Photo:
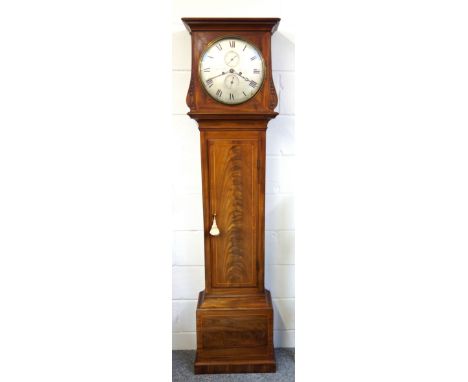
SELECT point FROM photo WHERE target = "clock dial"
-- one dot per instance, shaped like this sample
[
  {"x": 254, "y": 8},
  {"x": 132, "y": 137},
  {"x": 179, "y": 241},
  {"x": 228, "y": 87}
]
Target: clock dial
[{"x": 231, "y": 70}]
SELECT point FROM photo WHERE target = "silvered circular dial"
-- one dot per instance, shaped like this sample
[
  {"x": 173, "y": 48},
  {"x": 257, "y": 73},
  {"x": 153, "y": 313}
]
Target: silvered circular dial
[{"x": 231, "y": 70}]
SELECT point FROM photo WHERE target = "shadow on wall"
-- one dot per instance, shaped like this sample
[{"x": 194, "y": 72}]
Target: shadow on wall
[
  {"x": 282, "y": 52},
  {"x": 279, "y": 207},
  {"x": 181, "y": 50}
]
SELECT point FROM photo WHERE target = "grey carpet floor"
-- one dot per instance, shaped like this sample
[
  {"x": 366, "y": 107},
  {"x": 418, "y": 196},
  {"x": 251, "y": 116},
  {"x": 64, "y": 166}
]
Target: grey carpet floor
[{"x": 182, "y": 369}]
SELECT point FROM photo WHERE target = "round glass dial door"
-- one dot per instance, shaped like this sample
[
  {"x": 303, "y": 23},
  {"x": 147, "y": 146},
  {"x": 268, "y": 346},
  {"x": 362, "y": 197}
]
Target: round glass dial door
[{"x": 231, "y": 70}]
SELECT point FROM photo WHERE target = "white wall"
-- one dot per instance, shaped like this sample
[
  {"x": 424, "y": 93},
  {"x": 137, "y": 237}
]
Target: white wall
[{"x": 187, "y": 265}]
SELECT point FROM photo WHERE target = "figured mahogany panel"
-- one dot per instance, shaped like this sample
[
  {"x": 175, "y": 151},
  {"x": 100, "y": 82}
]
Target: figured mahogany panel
[
  {"x": 233, "y": 335},
  {"x": 234, "y": 332},
  {"x": 233, "y": 188}
]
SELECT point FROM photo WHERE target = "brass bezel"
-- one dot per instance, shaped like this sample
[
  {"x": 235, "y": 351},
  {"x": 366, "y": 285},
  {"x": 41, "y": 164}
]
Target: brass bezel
[{"x": 224, "y": 37}]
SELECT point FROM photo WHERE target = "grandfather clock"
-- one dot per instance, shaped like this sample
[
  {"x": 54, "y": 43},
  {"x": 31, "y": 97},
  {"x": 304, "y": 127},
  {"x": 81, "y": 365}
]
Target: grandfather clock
[{"x": 232, "y": 97}]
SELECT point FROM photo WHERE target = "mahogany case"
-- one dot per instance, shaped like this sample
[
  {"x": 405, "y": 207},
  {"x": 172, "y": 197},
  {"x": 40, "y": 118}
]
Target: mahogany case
[{"x": 234, "y": 312}]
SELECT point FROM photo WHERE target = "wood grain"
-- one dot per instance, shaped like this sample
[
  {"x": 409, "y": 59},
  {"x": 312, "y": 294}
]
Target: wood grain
[
  {"x": 234, "y": 332},
  {"x": 231, "y": 332},
  {"x": 234, "y": 312},
  {"x": 232, "y": 169}
]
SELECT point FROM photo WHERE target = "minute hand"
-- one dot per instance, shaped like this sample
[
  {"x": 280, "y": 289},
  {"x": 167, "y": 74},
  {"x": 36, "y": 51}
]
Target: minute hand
[{"x": 222, "y": 74}]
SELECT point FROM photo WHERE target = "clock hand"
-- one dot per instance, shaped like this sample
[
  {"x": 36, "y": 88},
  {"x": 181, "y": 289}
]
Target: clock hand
[
  {"x": 222, "y": 74},
  {"x": 240, "y": 75},
  {"x": 232, "y": 58}
]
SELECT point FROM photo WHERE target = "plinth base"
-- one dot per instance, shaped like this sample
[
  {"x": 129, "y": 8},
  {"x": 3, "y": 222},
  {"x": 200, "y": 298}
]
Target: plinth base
[
  {"x": 235, "y": 334},
  {"x": 235, "y": 367}
]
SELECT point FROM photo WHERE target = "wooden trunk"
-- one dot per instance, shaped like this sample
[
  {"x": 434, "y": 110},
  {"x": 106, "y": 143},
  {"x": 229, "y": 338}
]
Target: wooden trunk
[{"x": 234, "y": 313}]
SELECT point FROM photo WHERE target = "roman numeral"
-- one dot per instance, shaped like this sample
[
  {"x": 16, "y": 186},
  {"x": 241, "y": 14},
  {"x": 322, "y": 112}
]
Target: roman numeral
[
  {"x": 256, "y": 71},
  {"x": 253, "y": 84},
  {"x": 232, "y": 44},
  {"x": 231, "y": 96},
  {"x": 245, "y": 46},
  {"x": 244, "y": 94},
  {"x": 219, "y": 47},
  {"x": 209, "y": 82},
  {"x": 209, "y": 56},
  {"x": 253, "y": 58},
  {"x": 219, "y": 93},
  {"x": 206, "y": 70}
]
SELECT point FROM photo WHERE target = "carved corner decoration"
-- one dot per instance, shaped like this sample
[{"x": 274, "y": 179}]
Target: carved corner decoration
[
  {"x": 190, "y": 99},
  {"x": 273, "y": 95},
  {"x": 234, "y": 314}
]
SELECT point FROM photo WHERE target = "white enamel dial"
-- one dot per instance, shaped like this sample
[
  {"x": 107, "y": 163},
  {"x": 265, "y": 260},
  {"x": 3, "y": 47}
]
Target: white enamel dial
[{"x": 231, "y": 70}]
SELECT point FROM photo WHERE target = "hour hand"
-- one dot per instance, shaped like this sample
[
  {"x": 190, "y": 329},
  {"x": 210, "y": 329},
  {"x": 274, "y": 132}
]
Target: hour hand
[{"x": 240, "y": 75}]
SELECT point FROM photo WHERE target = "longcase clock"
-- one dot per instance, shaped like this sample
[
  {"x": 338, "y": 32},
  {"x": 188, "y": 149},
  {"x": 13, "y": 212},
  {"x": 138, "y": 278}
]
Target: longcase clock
[{"x": 232, "y": 97}]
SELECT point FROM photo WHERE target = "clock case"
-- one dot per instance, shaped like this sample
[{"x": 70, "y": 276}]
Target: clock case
[{"x": 234, "y": 317}]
